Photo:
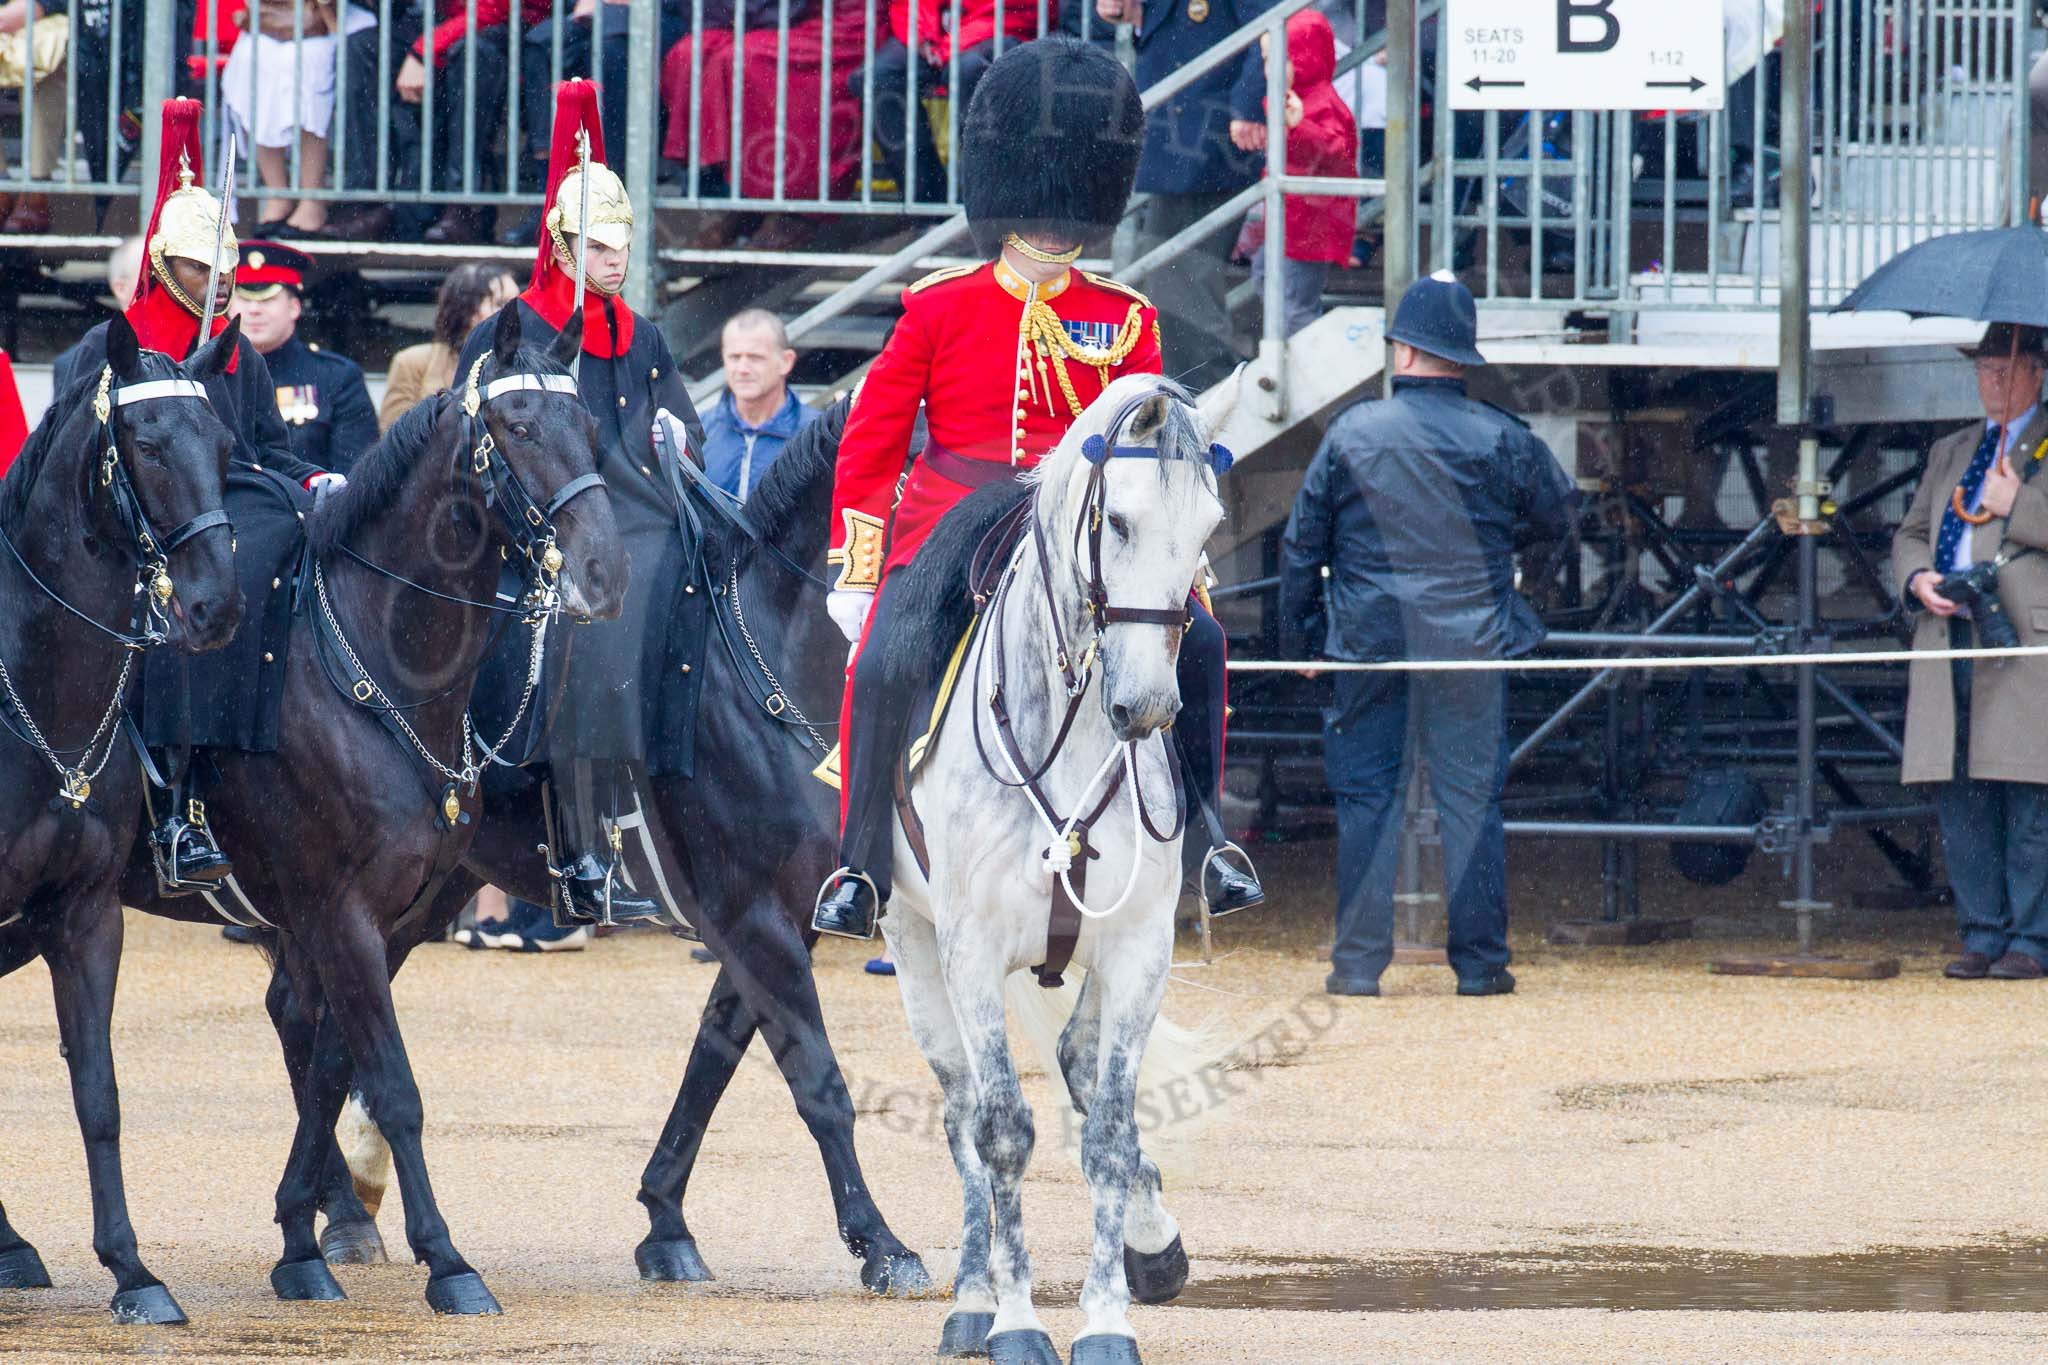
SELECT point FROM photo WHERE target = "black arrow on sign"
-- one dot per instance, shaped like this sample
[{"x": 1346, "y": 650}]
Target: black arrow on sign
[
  {"x": 1477, "y": 84},
  {"x": 1695, "y": 83}
]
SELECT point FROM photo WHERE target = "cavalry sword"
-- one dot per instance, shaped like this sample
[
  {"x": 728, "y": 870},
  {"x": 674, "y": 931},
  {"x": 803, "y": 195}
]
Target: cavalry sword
[
  {"x": 582, "y": 228},
  {"x": 220, "y": 238}
]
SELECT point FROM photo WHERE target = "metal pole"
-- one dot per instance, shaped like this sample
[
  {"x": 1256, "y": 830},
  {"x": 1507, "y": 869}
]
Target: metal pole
[
  {"x": 1397, "y": 240},
  {"x": 1795, "y": 246},
  {"x": 1272, "y": 381},
  {"x": 642, "y": 52},
  {"x": 158, "y": 35}
]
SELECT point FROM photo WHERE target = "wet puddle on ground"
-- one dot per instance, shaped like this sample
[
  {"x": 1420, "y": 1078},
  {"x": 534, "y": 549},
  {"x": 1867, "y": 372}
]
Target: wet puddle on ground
[{"x": 1974, "y": 1279}]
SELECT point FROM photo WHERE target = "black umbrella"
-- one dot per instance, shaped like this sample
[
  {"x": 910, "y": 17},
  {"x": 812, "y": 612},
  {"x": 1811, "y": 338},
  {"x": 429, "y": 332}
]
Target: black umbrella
[{"x": 1996, "y": 275}]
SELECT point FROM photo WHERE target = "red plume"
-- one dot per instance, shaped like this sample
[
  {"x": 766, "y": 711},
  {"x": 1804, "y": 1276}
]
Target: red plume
[
  {"x": 575, "y": 108},
  {"x": 180, "y": 148}
]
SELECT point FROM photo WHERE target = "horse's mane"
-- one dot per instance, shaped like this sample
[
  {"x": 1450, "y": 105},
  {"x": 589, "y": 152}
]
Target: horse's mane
[
  {"x": 21, "y": 478},
  {"x": 782, "y": 498},
  {"x": 379, "y": 473}
]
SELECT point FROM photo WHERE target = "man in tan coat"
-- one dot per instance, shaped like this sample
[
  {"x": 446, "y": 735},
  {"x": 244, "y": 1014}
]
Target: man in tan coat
[{"x": 1982, "y": 731}]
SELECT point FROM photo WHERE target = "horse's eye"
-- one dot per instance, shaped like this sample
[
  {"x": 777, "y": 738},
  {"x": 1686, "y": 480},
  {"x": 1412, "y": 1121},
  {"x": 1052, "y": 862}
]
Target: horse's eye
[
  {"x": 150, "y": 451},
  {"x": 1119, "y": 525},
  {"x": 523, "y": 430}
]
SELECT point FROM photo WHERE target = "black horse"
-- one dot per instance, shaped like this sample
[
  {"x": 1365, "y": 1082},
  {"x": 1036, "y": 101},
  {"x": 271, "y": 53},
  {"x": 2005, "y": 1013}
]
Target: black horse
[
  {"x": 344, "y": 832},
  {"x": 750, "y": 835},
  {"x": 111, "y": 537}
]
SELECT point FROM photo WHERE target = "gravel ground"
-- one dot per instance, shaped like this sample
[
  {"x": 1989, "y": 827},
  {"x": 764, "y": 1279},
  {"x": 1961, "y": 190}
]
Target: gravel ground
[{"x": 1790, "y": 1171}]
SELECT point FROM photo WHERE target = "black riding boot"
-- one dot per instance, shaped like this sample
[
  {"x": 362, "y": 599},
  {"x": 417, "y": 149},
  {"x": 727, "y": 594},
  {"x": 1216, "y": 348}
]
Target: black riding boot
[
  {"x": 853, "y": 897},
  {"x": 1226, "y": 885},
  {"x": 187, "y": 858},
  {"x": 594, "y": 886}
]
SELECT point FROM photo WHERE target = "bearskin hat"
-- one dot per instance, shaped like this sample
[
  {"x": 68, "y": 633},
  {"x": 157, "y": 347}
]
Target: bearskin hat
[{"x": 1050, "y": 144}]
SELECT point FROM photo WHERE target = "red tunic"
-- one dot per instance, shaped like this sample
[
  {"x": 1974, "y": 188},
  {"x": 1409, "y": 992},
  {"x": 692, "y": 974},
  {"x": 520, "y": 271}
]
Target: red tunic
[
  {"x": 13, "y": 426},
  {"x": 989, "y": 395}
]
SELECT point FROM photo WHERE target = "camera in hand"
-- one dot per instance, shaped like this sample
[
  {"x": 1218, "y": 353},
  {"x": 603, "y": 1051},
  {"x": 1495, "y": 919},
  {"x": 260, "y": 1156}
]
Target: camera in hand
[{"x": 1976, "y": 589}]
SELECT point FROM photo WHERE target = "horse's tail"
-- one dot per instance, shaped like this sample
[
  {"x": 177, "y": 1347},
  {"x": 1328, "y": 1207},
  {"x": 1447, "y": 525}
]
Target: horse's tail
[
  {"x": 367, "y": 1154},
  {"x": 1176, "y": 1079}
]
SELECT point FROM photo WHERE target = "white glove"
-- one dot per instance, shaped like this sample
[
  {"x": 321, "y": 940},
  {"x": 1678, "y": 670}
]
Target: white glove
[
  {"x": 323, "y": 485},
  {"x": 848, "y": 608}
]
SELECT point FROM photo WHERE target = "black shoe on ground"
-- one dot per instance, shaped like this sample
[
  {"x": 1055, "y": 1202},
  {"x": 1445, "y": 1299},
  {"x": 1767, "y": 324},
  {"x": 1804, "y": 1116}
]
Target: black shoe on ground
[
  {"x": 598, "y": 894},
  {"x": 1501, "y": 982},
  {"x": 240, "y": 933},
  {"x": 1334, "y": 984},
  {"x": 1228, "y": 887},
  {"x": 847, "y": 908},
  {"x": 1968, "y": 967}
]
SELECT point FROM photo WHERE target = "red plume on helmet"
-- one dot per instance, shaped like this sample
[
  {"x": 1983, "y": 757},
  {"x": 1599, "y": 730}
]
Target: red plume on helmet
[
  {"x": 163, "y": 322},
  {"x": 180, "y": 149},
  {"x": 607, "y": 322}
]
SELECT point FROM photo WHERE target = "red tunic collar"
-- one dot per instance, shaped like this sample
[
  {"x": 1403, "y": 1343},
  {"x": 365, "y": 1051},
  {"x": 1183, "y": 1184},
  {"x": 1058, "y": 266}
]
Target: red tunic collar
[
  {"x": 555, "y": 297},
  {"x": 161, "y": 323}
]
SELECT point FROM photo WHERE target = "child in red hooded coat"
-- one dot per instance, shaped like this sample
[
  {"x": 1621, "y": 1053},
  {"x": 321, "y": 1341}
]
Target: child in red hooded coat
[{"x": 1322, "y": 139}]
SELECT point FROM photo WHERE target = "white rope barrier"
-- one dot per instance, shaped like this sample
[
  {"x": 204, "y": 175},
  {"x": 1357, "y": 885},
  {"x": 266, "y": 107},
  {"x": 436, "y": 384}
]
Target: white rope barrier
[{"x": 1634, "y": 661}]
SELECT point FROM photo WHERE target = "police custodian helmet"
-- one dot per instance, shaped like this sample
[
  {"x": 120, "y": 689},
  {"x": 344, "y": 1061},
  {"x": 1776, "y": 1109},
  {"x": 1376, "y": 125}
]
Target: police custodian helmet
[{"x": 1438, "y": 315}]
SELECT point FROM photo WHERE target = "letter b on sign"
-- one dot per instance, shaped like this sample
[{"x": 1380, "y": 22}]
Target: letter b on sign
[{"x": 1575, "y": 17}]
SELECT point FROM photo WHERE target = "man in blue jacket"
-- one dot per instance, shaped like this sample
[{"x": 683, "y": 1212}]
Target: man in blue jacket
[
  {"x": 1416, "y": 507},
  {"x": 757, "y": 414},
  {"x": 1191, "y": 166}
]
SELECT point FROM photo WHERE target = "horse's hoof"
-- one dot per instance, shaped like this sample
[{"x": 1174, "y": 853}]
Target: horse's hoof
[
  {"x": 306, "y": 1282},
  {"x": 462, "y": 1295},
  {"x": 1104, "y": 1348},
  {"x": 22, "y": 1268},
  {"x": 1021, "y": 1348},
  {"x": 671, "y": 1262},
  {"x": 149, "y": 1306},
  {"x": 966, "y": 1334},
  {"x": 1157, "y": 1276},
  {"x": 896, "y": 1274},
  {"x": 356, "y": 1243}
]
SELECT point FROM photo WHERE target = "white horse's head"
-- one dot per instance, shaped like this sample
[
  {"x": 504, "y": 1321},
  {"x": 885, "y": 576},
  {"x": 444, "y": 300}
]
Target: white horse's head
[{"x": 1127, "y": 501}]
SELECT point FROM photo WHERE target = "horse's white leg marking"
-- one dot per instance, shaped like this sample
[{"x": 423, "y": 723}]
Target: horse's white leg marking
[
  {"x": 1002, "y": 1132},
  {"x": 914, "y": 945},
  {"x": 1129, "y": 980},
  {"x": 1148, "y": 1227}
]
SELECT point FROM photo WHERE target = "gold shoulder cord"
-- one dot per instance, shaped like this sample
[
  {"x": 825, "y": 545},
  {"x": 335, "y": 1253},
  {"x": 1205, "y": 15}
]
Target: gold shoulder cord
[{"x": 1048, "y": 339}]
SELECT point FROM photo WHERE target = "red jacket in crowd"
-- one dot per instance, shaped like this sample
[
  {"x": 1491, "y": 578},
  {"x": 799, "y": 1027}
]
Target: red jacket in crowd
[
  {"x": 977, "y": 23},
  {"x": 1319, "y": 226},
  {"x": 454, "y": 25},
  {"x": 13, "y": 426}
]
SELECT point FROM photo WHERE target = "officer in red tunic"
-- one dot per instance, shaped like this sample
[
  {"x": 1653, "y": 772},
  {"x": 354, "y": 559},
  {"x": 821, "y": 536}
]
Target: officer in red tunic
[{"x": 1002, "y": 357}]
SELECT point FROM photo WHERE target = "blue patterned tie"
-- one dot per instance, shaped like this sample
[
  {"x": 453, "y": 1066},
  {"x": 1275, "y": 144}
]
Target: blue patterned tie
[{"x": 1952, "y": 526}]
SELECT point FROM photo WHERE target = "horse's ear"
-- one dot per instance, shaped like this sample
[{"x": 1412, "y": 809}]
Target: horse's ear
[
  {"x": 505, "y": 336},
  {"x": 1150, "y": 417},
  {"x": 213, "y": 357},
  {"x": 1219, "y": 404},
  {"x": 568, "y": 341},
  {"x": 124, "y": 352}
]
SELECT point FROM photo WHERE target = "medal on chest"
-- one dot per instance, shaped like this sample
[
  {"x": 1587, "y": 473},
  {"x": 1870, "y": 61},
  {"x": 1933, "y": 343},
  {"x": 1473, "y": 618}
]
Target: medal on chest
[{"x": 298, "y": 404}]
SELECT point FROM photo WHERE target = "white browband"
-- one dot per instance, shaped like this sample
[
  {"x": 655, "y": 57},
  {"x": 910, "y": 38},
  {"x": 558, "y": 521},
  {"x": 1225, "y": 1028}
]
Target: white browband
[
  {"x": 159, "y": 388},
  {"x": 545, "y": 383}
]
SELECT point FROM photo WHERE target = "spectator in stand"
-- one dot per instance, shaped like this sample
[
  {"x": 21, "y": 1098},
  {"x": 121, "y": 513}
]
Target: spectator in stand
[
  {"x": 757, "y": 414},
  {"x": 124, "y": 270},
  {"x": 537, "y": 83},
  {"x": 450, "y": 42},
  {"x": 1322, "y": 139},
  {"x": 279, "y": 88},
  {"x": 27, "y": 27},
  {"x": 469, "y": 296},
  {"x": 927, "y": 25},
  {"x": 321, "y": 395},
  {"x": 1190, "y": 168},
  {"x": 791, "y": 165}
]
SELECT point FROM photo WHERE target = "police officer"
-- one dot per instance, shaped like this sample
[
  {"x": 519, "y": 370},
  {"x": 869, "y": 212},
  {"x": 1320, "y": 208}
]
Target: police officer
[
  {"x": 321, "y": 396},
  {"x": 1000, "y": 358},
  {"x": 1416, "y": 507}
]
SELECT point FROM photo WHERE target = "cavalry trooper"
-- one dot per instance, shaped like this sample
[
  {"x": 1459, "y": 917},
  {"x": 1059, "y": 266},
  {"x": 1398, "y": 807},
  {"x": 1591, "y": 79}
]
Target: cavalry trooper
[
  {"x": 320, "y": 395},
  {"x": 601, "y": 741},
  {"x": 1002, "y": 357},
  {"x": 187, "y": 250}
]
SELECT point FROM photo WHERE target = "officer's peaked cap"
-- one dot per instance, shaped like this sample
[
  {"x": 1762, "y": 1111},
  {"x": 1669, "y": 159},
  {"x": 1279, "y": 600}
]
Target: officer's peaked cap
[
  {"x": 1437, "y": 315},
  {"x": 1050, "y": 144}
]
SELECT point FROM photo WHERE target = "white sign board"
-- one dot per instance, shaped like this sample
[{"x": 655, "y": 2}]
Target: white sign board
[{"x": 1584, "y": 54}]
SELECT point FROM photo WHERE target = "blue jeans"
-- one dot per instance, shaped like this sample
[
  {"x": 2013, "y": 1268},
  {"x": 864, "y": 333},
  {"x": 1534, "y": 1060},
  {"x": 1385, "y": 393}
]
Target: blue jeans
[{"x": 1461, "y": 719}]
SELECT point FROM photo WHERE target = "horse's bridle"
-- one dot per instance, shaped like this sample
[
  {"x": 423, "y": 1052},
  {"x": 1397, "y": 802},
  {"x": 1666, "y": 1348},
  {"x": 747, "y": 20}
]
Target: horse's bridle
[
  {"x": 154, "y": 587},
  {"x": 529, "y": 521}
]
